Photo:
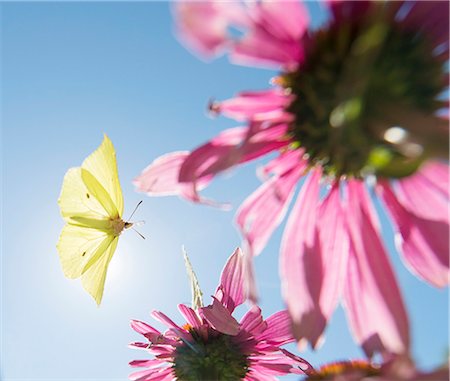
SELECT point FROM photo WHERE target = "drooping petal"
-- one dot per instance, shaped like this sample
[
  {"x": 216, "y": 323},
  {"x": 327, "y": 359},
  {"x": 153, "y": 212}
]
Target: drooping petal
[
  {"x": 232, "y": 281},
  {"x": 190, "y": 315},
  {"x": 161, "y": 176},
  {"x": 285, "y": 20},
  {"x": 145, "y": 363},
  {"x": 334, "y": 247},
  {"x": 203, "y": 25},
  {"x": 372, "y": 298},
  {"x": 437, "y": 174},
  {"x": 253, "y": 322},
  {"x": 143, "y": 328},
  {"x": 300, "y": 264},
  {"x": 423, "y": 243},
  {"x": 421, "y": 196},
  {"x": 255, "y": 105},
  {"x": 231, "y": 147},
  {"x": 220, "y": 318},
  {"x": 260, "y": 48},
  {"x": 273, "y": 37},
  {"x": 263, "y": 210},
  {"x": 160, "y": 374},
  {"x": 278, "y": 331}
]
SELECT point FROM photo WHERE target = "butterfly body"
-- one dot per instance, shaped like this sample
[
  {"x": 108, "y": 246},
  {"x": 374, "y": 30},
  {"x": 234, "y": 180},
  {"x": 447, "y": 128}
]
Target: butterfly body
[{"x": 91, "y": 203}]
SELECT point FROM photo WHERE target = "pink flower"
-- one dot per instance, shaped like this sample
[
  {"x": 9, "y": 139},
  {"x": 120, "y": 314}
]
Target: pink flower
[
  {"x": 397, "y": 368},
  {"x": 357, "y": 103},
  {"x": 213, "y": 345}
]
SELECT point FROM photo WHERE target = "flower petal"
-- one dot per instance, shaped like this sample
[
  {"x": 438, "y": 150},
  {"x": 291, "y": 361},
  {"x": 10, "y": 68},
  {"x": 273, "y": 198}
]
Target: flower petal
[
  {"x": 373, "y": 301},
  {"x": 160, "y": 374},
  {"x": 334, "y": 246},
  {"x": 143, "y": 328},
  {"x": 300, "y": 264},
  {"x": 423, "y": 243},
  {"x": 232, "y": 282},
  {"x": 161, "y": 176},
  {"x": 437, "y": 174},
  {"x": 273, "y": 37},
  {"x": 253, "y": 322},
  {"x": 421, "y": 196},
  {"x": 263, "y": 211},
  {"x": 278, "y": 331},
  {"x": 256, "y": 105},
  {"x": 190, "y": 315},
  {"x": 220, "y": 318},
  {"x": 203, "y": 25},
  {"x": 231, "y": 147}
]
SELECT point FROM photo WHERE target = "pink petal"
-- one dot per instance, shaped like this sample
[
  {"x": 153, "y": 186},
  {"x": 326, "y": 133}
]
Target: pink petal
[
  {"x": 175, "y": 329},
  {"x": 161, "y": 374},
  {"x": 300, "y": 264},
  {"x": 259, "y": 48},
  {"x": 286, "y": 20},
  {"x": 274, "y": 37},
  {"x": 231, "y": 147},
  {"x": 278, "y": 331},
  {"x": 437, "y": 174},
  {"x": 282, "y": 163},
  {"x": 161, "y": 177},
  {"x": 203, "y": 26},
  {"x": 232, "y": 281},
  {"x": 249, "y": 278},
  {"x": 423, "y": 243},
  {"x": 373, "y": 301},
  {"x": 334, "y": 246},
  {"x": 254, "y": 105},
  {"x": 190, "y": 315},
  {"x": 220, "y": 318},
  {"x": 163, "y": 318},
  {"x": 253, "y": 322},
  {"x": 143, "y": 328},
  {"x": 263, "y": 211},
  {"x": 146, "y": 363},
  {"x": 421, "y": 196}
]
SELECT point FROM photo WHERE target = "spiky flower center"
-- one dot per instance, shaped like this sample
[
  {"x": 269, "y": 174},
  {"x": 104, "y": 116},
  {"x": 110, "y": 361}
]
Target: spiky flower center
[
  {"x": 356, "y": 367},
  {"x": 217, "y": 358},
  {"x": 365, "y": 93}
]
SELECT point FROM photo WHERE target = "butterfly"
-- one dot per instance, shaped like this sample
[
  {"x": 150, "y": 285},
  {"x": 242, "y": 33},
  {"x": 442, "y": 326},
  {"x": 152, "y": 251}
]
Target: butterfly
[{"x": 91, "y": 203}]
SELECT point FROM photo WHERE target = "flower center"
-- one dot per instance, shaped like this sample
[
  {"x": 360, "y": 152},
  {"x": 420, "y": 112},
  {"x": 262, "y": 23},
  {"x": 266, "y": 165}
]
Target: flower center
[
  {"x": 347, "y": 368},
  {"x": 365, "y": 93},
  {"x": 214, "y": 359}
]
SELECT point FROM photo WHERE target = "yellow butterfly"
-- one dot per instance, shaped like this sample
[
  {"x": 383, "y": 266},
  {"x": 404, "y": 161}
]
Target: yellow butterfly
[{"x": 91, "y": 203}]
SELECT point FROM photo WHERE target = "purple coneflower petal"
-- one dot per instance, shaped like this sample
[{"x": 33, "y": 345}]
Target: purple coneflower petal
[
  {"x": 232, "y": 280},
  {"x": 373, "y": 302},
  {"x": 300, "y": 263},
  {"x": 334, "y": 246},
  {"x": 254, "y": 105},
  {"x": 220, "y": 318},
  {"x": 261, "y": 213},
  {"x": 420, "y": 240}
]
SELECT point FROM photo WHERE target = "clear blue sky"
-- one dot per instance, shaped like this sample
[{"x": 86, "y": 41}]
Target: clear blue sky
[{"x": 71, "y": 72}]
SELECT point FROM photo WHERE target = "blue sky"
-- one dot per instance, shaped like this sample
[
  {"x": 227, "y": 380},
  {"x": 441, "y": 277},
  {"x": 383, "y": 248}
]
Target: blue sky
[{"x": 71, "y": 72}]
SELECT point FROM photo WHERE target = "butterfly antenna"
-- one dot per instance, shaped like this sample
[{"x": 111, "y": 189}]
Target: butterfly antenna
[
  {"x": 134, "y": 211},
  {"x": 138, "y": 233}
]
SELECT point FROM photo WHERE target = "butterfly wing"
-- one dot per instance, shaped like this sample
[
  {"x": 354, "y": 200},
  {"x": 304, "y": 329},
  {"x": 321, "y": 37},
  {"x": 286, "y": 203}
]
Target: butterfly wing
[
  {"x": 103, "y": 167},
  {"x": 93, "y": 279},
  {"x": 90, "y": 199}
]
